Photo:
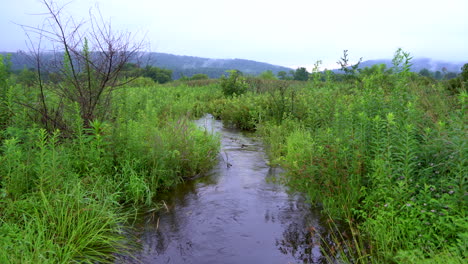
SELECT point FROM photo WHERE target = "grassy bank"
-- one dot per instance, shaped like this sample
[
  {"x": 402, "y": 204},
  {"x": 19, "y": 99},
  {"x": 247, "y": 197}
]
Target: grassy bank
[
  {"x": 384, "y": 153},
  {"x": 64, "y": 197}
]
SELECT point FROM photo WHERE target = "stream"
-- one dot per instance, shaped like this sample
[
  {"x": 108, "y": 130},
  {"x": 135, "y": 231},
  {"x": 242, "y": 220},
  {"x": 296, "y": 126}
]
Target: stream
[{"x": 233, "y": 214}]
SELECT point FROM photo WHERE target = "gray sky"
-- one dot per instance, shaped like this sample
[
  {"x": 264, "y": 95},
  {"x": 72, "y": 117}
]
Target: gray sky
[{"x": 289, "y": 32}]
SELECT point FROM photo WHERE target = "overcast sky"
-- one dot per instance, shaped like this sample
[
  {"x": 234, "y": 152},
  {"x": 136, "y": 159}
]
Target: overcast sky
[{"x": 289, "y": 32}]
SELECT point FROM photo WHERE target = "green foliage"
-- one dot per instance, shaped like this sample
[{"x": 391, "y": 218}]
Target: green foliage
[
  {"x": 349, "y": 70},
  {"x": 157, "y": 75},
  {"x": 282, "y": 75},
  {"x": 27, "y": 77},
  {"x": 464, "y": 73},
  {"x": 388, "y": 161},
  {"x": 402, "y": 62},
  {"x": 61, "y": 198},
  {"x": 5, "y": 65},
  {"x": 156, "y": 146},
  {"x": 387, "y": 154},
  {"x": 329, "y": 76},
  {"x": 61, "y": 228},
  {"x": 243, "y": 111},
  {"x": 316, "y": 75},
  {"x": 267, "y": 75},
  {"x": 458, "y": 83},
  {"x": 142, "y": 82},
  {"x": 425, "y": 72},
  {"x": 370, "y": 163},
  {"x": 301, "y": 74},
  {"x": 195, "y": 77},
  {"x": 269, "y": 100},
  {"x": 377, "y": 77},
  {"x": 5, "y": 93},
  {"x": 235, "y": 84},
  {"x": 199, "y": 76},
  {"x": 47, "y": 214}
]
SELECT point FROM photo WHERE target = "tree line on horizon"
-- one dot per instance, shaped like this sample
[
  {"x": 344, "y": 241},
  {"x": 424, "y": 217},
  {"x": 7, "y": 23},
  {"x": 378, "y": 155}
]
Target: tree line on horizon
[{"x": 164, "y": 71}]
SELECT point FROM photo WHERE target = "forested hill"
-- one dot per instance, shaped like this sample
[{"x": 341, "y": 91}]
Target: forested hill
[
  {"x": 214, "y": 68},
  {"x": 181, "y": 65}
]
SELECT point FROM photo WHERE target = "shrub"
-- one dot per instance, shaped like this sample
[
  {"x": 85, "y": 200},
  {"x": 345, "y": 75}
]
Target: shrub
[
  {"x": 235, "y": 84},
  {"x": 199, "y": 76},
  {"x": 460, "y": 83}
]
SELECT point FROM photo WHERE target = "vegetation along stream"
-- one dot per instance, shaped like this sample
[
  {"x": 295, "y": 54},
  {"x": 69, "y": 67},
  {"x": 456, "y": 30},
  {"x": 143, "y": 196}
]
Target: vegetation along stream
[
  {"x": 234, "y": 214},
  {"x": 92, "y": 133}
]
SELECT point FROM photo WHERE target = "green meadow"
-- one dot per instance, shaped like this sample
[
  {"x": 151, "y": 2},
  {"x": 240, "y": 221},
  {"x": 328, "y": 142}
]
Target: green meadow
[{"x": 381, "y": 151}]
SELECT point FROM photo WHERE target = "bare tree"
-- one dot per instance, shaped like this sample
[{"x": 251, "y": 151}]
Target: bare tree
[{"x": 87, "y": 59}]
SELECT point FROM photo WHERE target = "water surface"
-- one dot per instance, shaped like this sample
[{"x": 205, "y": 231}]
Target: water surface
[{"x": 234, "y": 214}]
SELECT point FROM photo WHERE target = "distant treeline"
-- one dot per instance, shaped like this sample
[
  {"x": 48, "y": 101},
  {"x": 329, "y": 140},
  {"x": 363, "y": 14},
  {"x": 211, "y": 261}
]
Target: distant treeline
[
  {"x": 180, "y": 66},
  {"x": 162, "y": 68}
]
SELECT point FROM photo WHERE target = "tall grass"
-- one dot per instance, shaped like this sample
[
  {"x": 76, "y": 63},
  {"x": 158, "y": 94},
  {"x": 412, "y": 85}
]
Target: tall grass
[
  {"x": 62, "y": 196},
  {"x": 63, "y": 227},
  {"x": 386, "y": 154}
]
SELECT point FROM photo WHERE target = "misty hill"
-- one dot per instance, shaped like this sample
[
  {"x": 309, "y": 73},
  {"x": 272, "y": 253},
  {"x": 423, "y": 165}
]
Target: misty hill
[
  {"x": 180, "y": 65},
  {"x": 214, "y": 68},
  {"x": 419, "y": 64}
]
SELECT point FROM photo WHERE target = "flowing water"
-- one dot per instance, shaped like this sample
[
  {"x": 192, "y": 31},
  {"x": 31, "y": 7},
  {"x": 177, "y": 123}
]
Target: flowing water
[{"x": 233, "y": 214}]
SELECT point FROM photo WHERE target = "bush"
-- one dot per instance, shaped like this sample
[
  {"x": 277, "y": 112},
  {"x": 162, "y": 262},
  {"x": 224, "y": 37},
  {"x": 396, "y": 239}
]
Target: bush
[
  {"x": 235, "y": 84},
  {"x": 199, "y": 76},
  {"x": 456, "y": 85}
]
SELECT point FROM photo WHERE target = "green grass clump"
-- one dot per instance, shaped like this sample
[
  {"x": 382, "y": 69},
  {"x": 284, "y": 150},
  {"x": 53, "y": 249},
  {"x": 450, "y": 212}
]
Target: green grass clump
[{"x": 61, "y": 228}]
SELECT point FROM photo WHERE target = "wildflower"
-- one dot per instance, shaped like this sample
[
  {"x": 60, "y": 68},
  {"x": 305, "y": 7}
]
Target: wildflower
[
  {"x": 423, "y": 211},
  {"x": 451, "y": 192},
  {"x": 433, "y": 210},
  {"x": 437, "y": 172},
  {"x": 432, "y": 189},
  {"x": 408, "y": 204},
  {"x": 424, "y": 204},
  {"x": 432, "y": 164},
  {"x": 385, "y": 205}
]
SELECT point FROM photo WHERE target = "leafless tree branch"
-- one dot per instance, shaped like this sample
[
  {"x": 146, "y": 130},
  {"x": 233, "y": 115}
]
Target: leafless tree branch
[{"x": 87, "y": 62}]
